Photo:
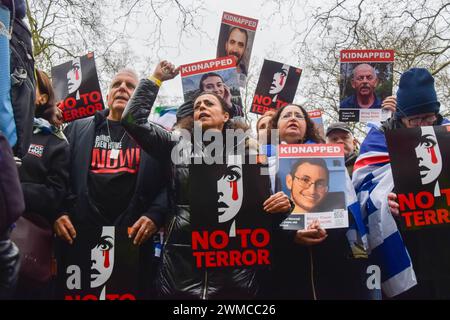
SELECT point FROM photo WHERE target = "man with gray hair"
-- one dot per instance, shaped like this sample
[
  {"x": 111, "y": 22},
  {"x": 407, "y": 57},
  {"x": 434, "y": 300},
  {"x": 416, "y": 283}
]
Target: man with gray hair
[
  {"x": 112, "y": 181},
  {"x": 364, "y": 82}
]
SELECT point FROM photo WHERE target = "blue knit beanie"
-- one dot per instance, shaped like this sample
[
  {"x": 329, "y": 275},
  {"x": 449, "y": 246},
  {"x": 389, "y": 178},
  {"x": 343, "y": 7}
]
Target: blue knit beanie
[{"x": 416, "y": 93}]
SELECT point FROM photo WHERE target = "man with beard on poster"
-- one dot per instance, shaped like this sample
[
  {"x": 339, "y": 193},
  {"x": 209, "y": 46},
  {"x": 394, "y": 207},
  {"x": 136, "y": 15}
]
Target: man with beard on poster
[
  {"x": 109, "y": 178},
  {"x": 417, "y": 107},
  {"x": 235, "y": 45}
]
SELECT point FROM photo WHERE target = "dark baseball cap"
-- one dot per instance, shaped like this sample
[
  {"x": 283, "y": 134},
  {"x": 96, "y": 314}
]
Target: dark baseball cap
[{"x": 338, "y": 126}]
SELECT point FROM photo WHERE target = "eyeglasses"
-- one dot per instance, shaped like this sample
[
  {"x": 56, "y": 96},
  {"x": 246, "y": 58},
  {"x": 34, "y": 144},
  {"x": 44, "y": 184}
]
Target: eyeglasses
[
  {"x": 419, "y": 120},
  {"x": 296, "y": 115},
  {"x": 305, "y": 183}
]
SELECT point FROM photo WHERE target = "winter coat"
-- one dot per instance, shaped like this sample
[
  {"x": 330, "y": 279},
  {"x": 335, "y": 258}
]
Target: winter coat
[
  {"x": 44, "y": 173},
  {"x": 178, "y": 277},
  {"x": 149, "y": 199}
]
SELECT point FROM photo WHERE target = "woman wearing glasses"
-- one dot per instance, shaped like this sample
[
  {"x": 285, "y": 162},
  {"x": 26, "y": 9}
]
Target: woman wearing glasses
[{"x": 313, "y": 263}]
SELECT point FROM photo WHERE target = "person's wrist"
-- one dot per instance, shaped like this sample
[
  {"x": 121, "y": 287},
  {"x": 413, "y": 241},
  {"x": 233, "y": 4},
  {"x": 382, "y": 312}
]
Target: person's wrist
[{"x": 155, "y": 79}]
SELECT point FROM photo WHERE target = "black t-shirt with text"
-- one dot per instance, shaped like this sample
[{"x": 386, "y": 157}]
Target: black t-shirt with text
[{"x": 113, "y": 170}]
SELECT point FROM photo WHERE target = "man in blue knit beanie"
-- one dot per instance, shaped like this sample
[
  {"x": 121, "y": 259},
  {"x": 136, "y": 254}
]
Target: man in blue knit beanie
[
  {"x": 417, "y": 106},
  {"x": 417, "y": 102}
]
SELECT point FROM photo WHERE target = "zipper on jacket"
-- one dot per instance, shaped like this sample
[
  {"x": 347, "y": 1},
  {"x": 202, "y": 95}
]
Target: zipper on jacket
[
  {"x": 205, "y": 288},
  {"x": 170, "y": 230},
  {"x": 313, "y": 287}
]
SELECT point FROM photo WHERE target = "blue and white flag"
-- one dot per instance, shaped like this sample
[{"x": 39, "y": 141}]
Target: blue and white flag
[
  {"x": 7, "y": 123},
  {"x": 372, "y": 180}
]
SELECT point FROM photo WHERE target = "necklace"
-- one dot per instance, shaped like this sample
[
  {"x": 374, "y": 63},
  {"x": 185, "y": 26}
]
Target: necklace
[{"x": 114, "y": 154}]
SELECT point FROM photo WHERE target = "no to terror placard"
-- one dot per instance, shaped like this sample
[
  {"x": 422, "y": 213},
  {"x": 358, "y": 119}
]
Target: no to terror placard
[
  {"x": 276, "y": 87},
  {"x": 423, "y": 185},
  {"x": 77, "y": 89},
  {"x": 229, "y": 225}
]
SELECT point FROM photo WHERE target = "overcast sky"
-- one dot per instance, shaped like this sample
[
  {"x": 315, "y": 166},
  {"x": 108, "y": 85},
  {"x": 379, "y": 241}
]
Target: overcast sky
[{"x": 272, "y": 39}]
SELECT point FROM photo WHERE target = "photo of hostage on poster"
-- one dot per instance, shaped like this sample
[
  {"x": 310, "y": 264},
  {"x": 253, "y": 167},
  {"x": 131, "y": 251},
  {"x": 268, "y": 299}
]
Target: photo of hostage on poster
[
  {"x": 365, "y": 81},
  {"x": 218, "y": 76},
  {"x": 236, "y": 37},
  {"x": 229, "y": 225},
  {"x": 276, "y": 87},
  {"x": 313, "y": 175},
  {"x": 422, "y": 186},
  {"x": 101, "y": 264},
  {"x": 77, "y": 90}
]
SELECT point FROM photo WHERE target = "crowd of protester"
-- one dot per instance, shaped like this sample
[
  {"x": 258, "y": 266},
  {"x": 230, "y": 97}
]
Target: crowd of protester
[{"x": 63, "y": 181}]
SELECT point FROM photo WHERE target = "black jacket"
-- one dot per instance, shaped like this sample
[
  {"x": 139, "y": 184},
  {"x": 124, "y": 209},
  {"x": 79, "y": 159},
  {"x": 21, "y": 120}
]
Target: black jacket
[
  {"x": 149, "y": 199},
  {"x": 44, "y": 174},
  {"x": 178, "y": 277},
  {"x": 427, "y": 248}
]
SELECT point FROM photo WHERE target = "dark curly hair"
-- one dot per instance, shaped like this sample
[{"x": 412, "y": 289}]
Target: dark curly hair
[{"x": 311, "y": 131}]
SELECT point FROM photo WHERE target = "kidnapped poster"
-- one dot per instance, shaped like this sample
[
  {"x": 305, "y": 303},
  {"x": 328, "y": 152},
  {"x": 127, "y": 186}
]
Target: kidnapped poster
[
  {"x": 229, "y": 226},
  {"x": 423, "y": 185},
  {"x": 77, "y": 90}
]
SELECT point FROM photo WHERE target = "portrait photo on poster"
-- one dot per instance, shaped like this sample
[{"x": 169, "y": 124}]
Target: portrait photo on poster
[
  {"x": 423, "y": 186},
  {"x": 236, "y": 38},
  {"x": 365, "y": 85},
  {"x": 221, "y": 82},
  {"x": 316, "y": 185}
]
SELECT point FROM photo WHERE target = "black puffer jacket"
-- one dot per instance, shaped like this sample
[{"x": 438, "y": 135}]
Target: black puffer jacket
[{"x": 178, "y": 277}]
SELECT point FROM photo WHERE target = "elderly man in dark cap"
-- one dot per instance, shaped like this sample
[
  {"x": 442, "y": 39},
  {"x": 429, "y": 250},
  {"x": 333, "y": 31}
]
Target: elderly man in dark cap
[{"x": 339, "y": 132}]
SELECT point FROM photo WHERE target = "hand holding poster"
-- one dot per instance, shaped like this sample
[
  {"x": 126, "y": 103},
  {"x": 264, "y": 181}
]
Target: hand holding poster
[
  {"x": 313, "y": 175},
  {"x": 229, "y": 225},
  {"x": 218, "y": 76},
  {"x": 423, "y": 188},
  {"x": 101, "y": 264},
  {"x": 366, "y": 80},
  {"x": 77, "y": 90},
  {"x": 236, "y": 39},
  {"x": 276, "y": 87}
]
